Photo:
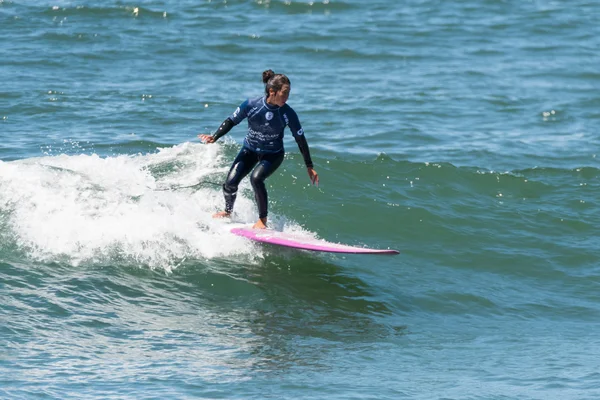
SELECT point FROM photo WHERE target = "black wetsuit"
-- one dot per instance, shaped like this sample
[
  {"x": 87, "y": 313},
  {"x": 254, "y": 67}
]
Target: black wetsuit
[{"x": 263, "y": 145}]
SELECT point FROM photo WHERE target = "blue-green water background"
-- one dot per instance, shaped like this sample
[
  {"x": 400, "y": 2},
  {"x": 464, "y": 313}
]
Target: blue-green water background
[{"x": 465, "y": 134}]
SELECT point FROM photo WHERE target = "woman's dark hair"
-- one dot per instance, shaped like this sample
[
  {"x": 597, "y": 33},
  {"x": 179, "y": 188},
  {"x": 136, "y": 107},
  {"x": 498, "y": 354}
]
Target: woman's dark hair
[{"x": 274, "y": 81}]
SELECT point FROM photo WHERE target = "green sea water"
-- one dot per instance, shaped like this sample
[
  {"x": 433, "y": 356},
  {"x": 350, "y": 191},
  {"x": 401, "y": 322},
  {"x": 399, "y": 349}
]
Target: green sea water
[{"x": 465, "y": 135}]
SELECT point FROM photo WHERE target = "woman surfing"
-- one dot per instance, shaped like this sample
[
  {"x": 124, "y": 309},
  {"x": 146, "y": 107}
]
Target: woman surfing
[{"x": 262, "y": 152}]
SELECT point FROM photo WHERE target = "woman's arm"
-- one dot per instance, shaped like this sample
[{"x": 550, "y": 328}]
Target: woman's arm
[
  {"x": 298, "y": 133},
  {"x": 222, "y": 131},
  {"x": 238, "y": 115},
  {"x": 305, "y": 151}
]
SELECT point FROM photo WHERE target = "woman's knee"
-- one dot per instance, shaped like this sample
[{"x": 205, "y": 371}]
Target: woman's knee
[
  {"x": 257, "y": 179},
  {"x": 230, "y": 188}
]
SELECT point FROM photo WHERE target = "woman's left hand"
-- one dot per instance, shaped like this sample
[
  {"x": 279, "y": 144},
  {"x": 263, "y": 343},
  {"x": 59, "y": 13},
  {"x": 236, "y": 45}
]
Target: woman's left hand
[{"x": 314, "y": 177}]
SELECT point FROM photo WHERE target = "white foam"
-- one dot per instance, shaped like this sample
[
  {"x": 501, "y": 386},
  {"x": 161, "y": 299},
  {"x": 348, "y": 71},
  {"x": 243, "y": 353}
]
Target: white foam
[{"x": 87, "y": 208}]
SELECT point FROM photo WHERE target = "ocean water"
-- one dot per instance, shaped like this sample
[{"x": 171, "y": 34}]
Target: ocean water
[{"x": 464, "y": 134}]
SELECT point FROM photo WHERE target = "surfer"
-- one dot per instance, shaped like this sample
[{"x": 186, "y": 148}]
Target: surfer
[{"x": 267, "y": 118}]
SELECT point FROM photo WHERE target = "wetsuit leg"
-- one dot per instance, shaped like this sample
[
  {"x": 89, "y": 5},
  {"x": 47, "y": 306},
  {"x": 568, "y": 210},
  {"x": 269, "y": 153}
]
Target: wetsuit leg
[
  {"x": 242, "y": 165},
  {"x": 266, "y": 166}
]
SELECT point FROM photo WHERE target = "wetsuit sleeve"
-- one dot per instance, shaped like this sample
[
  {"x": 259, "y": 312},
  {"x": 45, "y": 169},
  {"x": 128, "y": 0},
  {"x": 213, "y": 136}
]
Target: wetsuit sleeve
[
  {"x": 238, "y": 116},
  {"x": 298, "y": 133},
  {"x": 223, "y": 129},
  {"x": 240, "y": 113}
]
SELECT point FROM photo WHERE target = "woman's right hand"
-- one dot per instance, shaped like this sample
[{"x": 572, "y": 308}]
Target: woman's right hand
[{"x": 207, "y": 138}]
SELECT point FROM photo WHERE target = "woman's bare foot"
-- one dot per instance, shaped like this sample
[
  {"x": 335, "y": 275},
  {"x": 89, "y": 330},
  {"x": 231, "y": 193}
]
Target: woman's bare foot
[
  {"x": 260, "y": 224},
  {"x": 222, "y": 214}
]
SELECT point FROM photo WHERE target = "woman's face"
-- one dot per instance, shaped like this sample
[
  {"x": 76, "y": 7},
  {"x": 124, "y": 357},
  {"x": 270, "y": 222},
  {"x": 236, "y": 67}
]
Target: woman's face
[{"x": 279, "y": 98}]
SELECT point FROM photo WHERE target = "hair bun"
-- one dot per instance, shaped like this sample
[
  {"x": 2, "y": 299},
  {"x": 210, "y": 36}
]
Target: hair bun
[{"x": 268, "y": 74}]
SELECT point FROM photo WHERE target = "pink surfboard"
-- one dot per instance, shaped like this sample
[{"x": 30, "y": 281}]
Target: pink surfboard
[{"x": 303, "y": 242}]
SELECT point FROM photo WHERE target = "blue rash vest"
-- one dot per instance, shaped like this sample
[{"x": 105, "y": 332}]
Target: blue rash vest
[{"x": 266, "y": 124}]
